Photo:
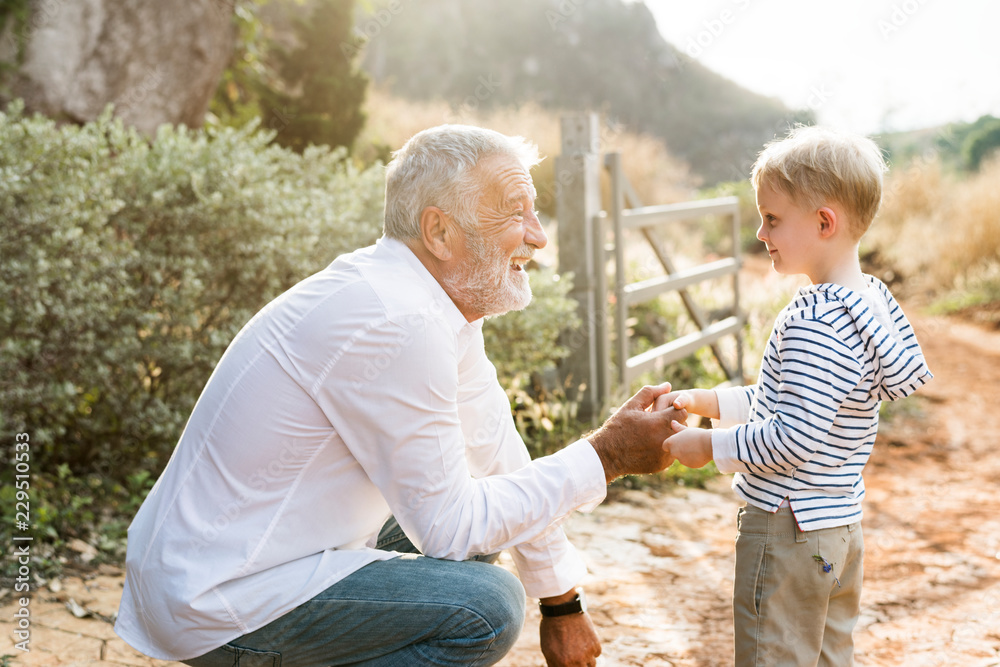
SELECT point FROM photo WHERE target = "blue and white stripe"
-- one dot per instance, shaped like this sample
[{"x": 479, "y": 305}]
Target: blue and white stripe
[{"x": 833, "y": 356}]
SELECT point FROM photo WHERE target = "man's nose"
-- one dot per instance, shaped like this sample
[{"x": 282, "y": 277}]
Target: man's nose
[{"x": 534, "y": 234}]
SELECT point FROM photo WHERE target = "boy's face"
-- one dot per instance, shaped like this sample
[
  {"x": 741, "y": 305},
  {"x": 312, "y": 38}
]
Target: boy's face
[{"x": 790, "y": 232}]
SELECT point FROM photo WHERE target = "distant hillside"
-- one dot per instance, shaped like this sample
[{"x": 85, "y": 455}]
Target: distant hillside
[
  {"x": 953, "y": 144},
  {"x": 600, "y": 55}
]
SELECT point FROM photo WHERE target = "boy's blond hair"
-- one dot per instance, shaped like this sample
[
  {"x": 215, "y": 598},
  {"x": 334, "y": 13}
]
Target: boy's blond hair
[{"x": 814, "y": 166}]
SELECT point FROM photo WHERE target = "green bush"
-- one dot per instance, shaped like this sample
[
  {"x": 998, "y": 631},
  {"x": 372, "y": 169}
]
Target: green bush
[
  {"x": 524, "y": 347},
  {"x": 129, "y": 265},
  {"x": 526, "y": 341},
  {"x": 980, "y": 143}
]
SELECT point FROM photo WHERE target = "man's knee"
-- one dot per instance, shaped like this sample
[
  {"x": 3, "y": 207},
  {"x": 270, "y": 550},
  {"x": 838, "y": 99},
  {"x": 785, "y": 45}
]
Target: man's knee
[
  {"x": 499, "y": 601},
  {"x": 495, "y": 595}
]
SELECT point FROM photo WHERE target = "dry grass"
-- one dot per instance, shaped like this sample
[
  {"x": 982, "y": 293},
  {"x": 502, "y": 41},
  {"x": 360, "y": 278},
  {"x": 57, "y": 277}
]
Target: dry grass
[
  {"x": 657, "y": 176},
  {"x": 939, "y": 231}
]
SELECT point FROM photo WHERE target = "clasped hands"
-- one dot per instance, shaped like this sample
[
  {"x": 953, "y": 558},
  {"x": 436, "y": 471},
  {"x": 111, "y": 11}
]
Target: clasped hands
[
  {"x": 648, "y": 433},
  {"x": 691, "y": 446}
]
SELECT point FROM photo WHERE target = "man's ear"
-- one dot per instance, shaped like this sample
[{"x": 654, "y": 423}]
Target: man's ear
[
  {"x": 437, "y": 232},
  {"x": 828, "y": 222}
]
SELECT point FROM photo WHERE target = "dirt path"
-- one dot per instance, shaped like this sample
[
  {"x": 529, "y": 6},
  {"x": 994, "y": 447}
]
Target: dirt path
[
  {"x": 662, "y": 566},
  {"x": 661, "y": 563}
]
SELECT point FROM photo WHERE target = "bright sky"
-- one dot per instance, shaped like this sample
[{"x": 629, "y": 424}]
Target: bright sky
[{"x": 868, "y": 65}]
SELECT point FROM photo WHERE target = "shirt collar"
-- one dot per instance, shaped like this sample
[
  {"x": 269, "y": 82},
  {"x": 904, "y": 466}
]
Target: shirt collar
[{"x": 456, "y": 320}]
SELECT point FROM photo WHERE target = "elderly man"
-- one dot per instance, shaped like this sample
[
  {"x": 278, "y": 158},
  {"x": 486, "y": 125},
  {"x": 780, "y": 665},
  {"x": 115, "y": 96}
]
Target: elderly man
[{"x": 351, "y": 468}]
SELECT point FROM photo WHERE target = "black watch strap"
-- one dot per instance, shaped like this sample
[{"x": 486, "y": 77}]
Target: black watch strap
[{"x": 577, "y": 605}]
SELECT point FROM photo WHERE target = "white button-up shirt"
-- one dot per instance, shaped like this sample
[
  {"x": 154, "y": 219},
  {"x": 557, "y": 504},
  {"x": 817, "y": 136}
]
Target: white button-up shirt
[{"x": 359, "y": 393}]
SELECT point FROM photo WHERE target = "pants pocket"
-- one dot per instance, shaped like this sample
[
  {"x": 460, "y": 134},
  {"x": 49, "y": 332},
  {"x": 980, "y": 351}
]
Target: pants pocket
[
  {"x": 248, "y": 657},
  {"x": 751, "y": 564},
  {"x": 758, "y": 586}
]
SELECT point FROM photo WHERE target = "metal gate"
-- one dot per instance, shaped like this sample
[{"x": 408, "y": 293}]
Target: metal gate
[{"x": 582, "y": 233}]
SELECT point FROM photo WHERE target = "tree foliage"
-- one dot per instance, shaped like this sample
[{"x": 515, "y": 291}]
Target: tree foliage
[
  {"x": 329, "y": 89},
  {"x": 296, "y": 69},
  {"x": 982, "y": 141}
]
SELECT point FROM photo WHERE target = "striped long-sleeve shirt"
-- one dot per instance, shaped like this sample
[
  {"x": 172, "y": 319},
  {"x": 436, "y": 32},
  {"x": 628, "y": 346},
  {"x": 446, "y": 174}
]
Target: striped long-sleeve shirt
[{"x": 806, "y": 429}]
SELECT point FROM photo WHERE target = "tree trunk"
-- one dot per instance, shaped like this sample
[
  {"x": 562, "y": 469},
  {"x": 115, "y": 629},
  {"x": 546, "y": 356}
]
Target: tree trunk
[{"x": 157, "y": 61}]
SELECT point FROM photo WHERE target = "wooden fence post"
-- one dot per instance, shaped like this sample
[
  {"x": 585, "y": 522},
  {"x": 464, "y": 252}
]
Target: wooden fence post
[{"x": 581, "y": 251}]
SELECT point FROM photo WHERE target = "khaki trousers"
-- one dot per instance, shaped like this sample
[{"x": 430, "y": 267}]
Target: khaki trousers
[{"x": 788, "y": 610}]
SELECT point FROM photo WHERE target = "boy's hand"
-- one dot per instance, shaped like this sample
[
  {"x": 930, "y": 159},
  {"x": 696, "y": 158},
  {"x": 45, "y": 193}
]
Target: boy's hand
[
  {"x": 702, "y": 402},
  {"x": 691, "y": 446}
]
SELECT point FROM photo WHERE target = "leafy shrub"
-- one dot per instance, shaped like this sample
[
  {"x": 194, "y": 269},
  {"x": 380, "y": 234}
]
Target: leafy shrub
[
  {"x": 524, "y": 347},
  {"x": 128, "y": 266},
  {"x": 525, "y": 341}
]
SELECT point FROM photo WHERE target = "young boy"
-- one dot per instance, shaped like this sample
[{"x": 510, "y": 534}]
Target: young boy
[{"x": 800, "y": 438}]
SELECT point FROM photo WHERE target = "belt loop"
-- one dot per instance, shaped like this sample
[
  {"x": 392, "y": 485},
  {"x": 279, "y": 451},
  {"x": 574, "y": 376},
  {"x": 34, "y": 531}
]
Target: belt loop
[
  {"x": 800, "y": 535},
  {"x": 851, "y": 527}
]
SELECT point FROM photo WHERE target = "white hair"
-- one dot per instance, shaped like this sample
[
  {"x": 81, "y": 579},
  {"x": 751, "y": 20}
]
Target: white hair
[{"x": 436, "y": 167}]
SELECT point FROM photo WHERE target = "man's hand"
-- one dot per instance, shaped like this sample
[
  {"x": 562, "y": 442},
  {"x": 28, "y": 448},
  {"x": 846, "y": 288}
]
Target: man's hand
[
  {"x": 569, "y": 641},
  {"x": 691, "y": 446},
  {"x": 631, "y": 440}
]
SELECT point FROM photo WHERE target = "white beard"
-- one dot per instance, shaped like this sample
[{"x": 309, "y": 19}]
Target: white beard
[{"x": 486, "y": 284}]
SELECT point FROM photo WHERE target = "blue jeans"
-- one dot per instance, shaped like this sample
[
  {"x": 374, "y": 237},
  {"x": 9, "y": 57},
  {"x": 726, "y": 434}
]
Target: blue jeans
[{"x": 410, "y": 610}]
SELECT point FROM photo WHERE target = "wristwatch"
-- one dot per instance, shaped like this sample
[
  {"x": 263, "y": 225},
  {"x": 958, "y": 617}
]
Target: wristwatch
[{"x": 577, "y": 605}]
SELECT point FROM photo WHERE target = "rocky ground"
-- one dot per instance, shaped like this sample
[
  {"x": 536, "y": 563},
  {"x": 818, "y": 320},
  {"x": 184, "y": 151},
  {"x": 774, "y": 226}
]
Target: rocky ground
[{"x": 662, "y": 562}]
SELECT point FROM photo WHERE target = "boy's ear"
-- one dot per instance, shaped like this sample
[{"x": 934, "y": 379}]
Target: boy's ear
[
  {"x": 437, "y": 232},
  {"x": 828, "y": 222}
]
